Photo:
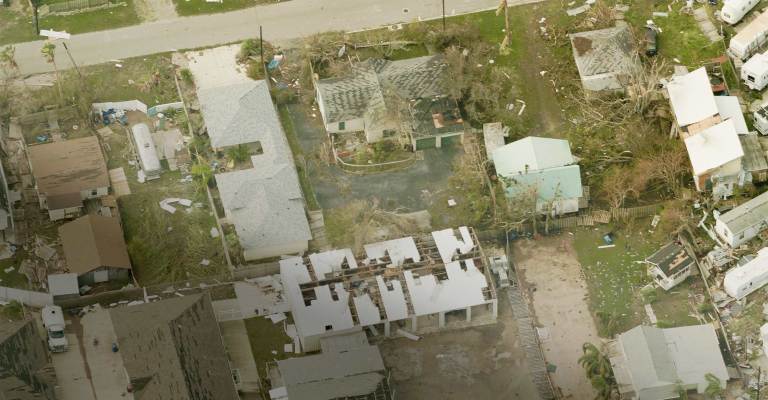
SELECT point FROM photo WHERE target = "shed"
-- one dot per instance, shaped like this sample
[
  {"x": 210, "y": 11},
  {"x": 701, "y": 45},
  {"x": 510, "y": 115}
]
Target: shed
[
  {"x": 145, "y": 147},
  {"x": 750, "y": 38},
  {"x": 493, "y": 136},
  {"x": 740, "y": 281},
  {"x": 63, "y": 285},
  {"x": 605, "y": 58},
  {"x": 754, "y": 162},
  {"x": 670, "y": 265},
  {"x": 95, "y": 250},
  {"x": 744, "y": 222},
  {"x": 754, "y": 72}
]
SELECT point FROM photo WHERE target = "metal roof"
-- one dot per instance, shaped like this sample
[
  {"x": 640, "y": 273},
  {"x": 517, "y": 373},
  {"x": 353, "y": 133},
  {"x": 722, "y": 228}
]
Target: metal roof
[
  {"x": 713, "y": 147},
  {"x": 691, "y": 97},
  {"x": 753, "y": 212},
  {"x": 604, "y": 51},
  {"x": 532, "y": 154},
  {"x": 670, "y": 258}
]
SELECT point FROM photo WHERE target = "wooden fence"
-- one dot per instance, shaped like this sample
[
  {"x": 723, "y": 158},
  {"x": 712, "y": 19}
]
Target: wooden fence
[
  {"x": 74, "y": 6},
  {"x": 590, "y": 218}
]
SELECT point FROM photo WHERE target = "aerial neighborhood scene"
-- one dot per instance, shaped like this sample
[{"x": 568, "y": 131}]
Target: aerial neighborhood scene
[{"x": 383, "y": 200}]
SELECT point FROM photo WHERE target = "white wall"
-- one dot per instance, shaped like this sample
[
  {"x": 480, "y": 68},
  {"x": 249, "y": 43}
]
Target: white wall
[
  {"x": 353, "y": 125},
  {"x": 100, "y": 192},
  {"x": 668, "y": 282},
  {"x": 735, "y": 239},
  {"x": 258, "y": 253},
  {"x": 559, "y": 207},
  {"x": 601, "y": 82},
  {"x": 26, "y": 297}
]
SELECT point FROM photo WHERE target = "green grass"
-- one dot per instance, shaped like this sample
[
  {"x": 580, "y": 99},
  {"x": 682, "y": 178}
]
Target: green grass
[
  {"x": 15, "y": 27},
  {"x": 165, "y": 247},
  {"x": 673, "y": 307},
  {"x": 614, "y": 275},
  {"x": 298, "y": 156},
  {"x": 90, "y": 21},
  {"x": 196, "y": 7},
  {"x": 266, "y": 337},
  {"x": 13, "y": 278}
]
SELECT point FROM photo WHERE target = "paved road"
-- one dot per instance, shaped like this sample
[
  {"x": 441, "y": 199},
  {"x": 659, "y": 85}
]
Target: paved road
[{"x": 281, "y": 22}]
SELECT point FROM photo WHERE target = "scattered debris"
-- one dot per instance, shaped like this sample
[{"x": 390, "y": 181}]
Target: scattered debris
[
  {"x": 214, "y": 232},
  {"x": 408, "y": 335}
]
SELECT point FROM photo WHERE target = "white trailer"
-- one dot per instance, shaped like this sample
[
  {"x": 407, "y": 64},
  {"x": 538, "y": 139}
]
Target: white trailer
[
  {"x": 746, "y": 42},
  {"x": 754, "y": 72},
  {"x": 734, "y": 10},
  {"x": 53, "y": 321},
  {"x": 761, "y": 119},
  {"x": 145, "y": 147},
  {"x": 739, "y": 282}
]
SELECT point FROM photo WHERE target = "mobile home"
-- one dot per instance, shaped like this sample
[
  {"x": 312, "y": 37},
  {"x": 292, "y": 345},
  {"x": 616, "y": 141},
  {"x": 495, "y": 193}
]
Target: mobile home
[
  {"x": 746, "y": 42},
  {"x": 734, "y": 10},
  {"x": 754, "y": 72},
  {"x": 739, "y": 282},
  {"x": 761, "y": 119},
  {"x": 145, "y": 148}
]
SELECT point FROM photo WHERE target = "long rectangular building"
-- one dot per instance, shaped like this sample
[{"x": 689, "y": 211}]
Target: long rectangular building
[{"x": 416, "y": 284}]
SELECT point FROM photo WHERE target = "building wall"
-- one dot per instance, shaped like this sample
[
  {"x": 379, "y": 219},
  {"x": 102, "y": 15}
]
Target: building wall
[
  {"x": 668, "y": 282},
  {"x": 353, "y": 125},
  {"x": 94, "y": 193},
  {"x": 257, "y": 253},
  {"x": 115, "y": 275},
  {"x": 596, "y": 83},
  {"x": 736, "y": 239},
  {"x": 559, "y": 207},
  {"x": 63, "y": 213}
]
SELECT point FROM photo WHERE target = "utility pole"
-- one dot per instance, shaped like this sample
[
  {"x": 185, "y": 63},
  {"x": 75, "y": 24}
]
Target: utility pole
[
  {"x": 37, "y": 24},
  {"x": 759, "y": 374},
  {"x": 261, "y": 51},
  {"x": 73, "y": 60},
  {"x": 443, "y": 15}
]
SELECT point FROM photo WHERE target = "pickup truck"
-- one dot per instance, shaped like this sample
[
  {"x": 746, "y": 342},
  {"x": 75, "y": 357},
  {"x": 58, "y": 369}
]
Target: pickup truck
[{"x": 53, "y": 321}]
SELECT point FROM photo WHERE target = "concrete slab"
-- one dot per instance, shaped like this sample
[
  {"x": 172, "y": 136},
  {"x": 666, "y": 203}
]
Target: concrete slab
[
  {"x": 216, "y": 67},
  {"x": 119, "y": 182},
  {"x": 238, "y": 348},
  {"x": 107, "y": 370},
  {"x": 71, "y": 373}
]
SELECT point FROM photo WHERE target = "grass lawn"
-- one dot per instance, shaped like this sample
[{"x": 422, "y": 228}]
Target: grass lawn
[
  {"x": 298, "y": 156},
  {"x": 93, "y": 20},
  {"x": 13, "y": 278},
  {"x": 165, "y": 247},
  {"x": 266, "y": 337},
  {"x": 615, "y": 275},
  {"x": 196, "y": 7},
  {"x": 15, "y": 27}
]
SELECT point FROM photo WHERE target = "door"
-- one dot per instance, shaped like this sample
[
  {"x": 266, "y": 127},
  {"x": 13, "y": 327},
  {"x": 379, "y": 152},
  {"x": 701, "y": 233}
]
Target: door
[
  {"x": 426, "y": 143},
  {"x": 101, "y": 275}
]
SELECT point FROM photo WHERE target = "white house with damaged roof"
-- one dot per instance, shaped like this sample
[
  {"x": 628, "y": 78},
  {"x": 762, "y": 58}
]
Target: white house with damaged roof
[
  {"x": 263, "y": 202},
  {"x": 605, "y": 58},
  {"x": 670, "y": 265},
  {"x": 384, "y": 98},
  {"x": 543, "y": 169},
  {"x": 416, "y": 284},
  {"x": 651, "y": 363},
  {"x": 744, "y": 222},
  {"x": 710, "y": 128}
]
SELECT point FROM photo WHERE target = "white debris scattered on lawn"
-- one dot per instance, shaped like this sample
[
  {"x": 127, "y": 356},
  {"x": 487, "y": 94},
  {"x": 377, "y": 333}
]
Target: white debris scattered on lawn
[
  {"x": 288, "y": 348},
  {"x": 9, "y": 269},
  {"x": 214, "y": 232},
  {"x": 205, "y": 262},
  {"x": 408, "y": 335},
  {"x": 165, "y": 204},
  {"x": 277, "y": 317}
]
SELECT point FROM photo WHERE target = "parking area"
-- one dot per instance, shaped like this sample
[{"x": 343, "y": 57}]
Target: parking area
[
  {"x": 90, "y": 369},
  {"x": 410, "y": 189}
]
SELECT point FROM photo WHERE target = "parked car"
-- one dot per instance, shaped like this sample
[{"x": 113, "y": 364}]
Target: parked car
[
  {"x": 651, "y": 41},
  {"x": 53, "y": 321}
]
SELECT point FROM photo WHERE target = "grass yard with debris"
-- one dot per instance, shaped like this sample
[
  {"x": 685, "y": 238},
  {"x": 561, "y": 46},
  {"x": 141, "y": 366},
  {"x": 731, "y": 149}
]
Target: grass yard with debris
[
  {"x": 15, "y": 26},
  {"x": 12, "y": 278},
  {"x": 97, "y": 20},
  {"x": 267, "y": 337},
  {"x": 196, "y": 7},
  {"x": 165, "y": 247}
]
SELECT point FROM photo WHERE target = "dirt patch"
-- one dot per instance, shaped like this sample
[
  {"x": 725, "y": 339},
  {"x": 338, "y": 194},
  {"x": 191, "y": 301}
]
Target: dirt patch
[
  {"x": 153, "y": 10},
  {"x": 582, "y": 45},
  {"x": 552, "y": 277},
  {"x": 475, "y": 363}
]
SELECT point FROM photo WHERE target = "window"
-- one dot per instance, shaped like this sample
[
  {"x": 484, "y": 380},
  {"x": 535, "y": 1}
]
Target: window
[
  {"x": 750, "y": 78},
  {"x": 94, "y": 192},
  {"x": 342, "y": 125}
]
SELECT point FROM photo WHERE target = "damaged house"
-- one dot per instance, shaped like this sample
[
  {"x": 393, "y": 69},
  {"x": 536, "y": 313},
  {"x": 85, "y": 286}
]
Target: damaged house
[
  {"x": 710, "y": 128},
  {"x": 670, "y": 265},
  {"x": 385, "y": 98},
  {"x": 605, "y": 58},
  {"x": 412, "y": 284},
  {"x": 66, "y": 173}
]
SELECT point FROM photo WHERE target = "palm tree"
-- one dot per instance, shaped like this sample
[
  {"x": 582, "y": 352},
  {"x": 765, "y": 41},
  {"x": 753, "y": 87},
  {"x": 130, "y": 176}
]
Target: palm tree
[
  {"x": 504, "y": 5},
  {"x": 49, "y": 53},
  {"x": 714, "y": 386},
  {"x": 239, "y": 153},
  {"x": 597, "y": 367}
]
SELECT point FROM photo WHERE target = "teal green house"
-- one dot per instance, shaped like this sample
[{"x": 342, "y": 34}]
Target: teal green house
[{"x": 543, "y": 169}]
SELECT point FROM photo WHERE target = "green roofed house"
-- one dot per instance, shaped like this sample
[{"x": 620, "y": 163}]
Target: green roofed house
[
  {"x": 542, "y": 168},
  {"x": 651, "y": 363}
]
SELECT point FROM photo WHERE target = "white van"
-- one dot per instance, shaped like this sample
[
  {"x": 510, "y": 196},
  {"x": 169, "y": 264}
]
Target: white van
[{"x": 53, "y": 321}]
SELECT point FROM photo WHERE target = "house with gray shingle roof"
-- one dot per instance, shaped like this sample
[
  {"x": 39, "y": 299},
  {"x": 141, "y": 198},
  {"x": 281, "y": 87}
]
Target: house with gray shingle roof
[
  {"x": 376, "y": 93},
  {"x": 264, "y": 202},
  {"x": 172, "y": 350},
  {"x": 605, "y": 57},
  {"x": 654, "y": 364}
]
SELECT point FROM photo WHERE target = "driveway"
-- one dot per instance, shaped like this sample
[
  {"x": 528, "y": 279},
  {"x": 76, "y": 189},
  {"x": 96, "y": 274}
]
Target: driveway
[
  {"x": 551, "y": 273},
  {"x": 408, "y": 190},
  {"x": 281, "y": 22}
]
